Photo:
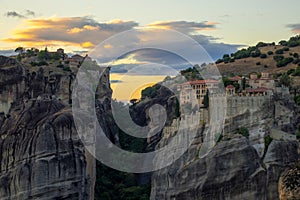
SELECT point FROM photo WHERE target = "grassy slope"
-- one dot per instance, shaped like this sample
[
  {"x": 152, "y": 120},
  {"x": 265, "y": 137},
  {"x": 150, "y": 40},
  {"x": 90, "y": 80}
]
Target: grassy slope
[{"x": 247, "y": 65}]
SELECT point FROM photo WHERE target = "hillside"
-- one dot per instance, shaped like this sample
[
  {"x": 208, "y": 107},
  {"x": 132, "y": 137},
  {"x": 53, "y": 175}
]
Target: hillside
[{"x": 273, "y": 58}]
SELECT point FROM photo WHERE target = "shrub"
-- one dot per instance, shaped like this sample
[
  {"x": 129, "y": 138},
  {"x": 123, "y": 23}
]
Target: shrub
[
  {"x": 261, "y": 44},
  {"x": 67, "y": 69},
  {"x": 284, "y": 62},
  {"x": 290, "y": 71},
  {"x": 286, "y": 49},
  {"x": 244, "y": 53},
  {"x": 297, "y": 71},
  {"x": 263, "y": 55},
  {"x": 270, "y": 53},
  {"x": 55, "y": 56},
  {"x": 258, "y": 63},
  {"x": 268, "y": 141},
  {"x": 227, "y": 59},
  {"x": 266, "y": 66},
  {"x": 278, "y": 58},
  {"x": 293, "y": 44},
  {"x": 285, "y": 80},
  {"x": 283, "y": 43},
  {"x": 279, "y": 51},
  {"x": 60, "y": 66},
  {"x": 225, "y": 56},
  {"x": 297, "y": 100},
  {"x": 255, "y": 53},
  {"x": 41, "y": 63},
  {"x": 296, "y": 61},
  {"x": 219, "y": 61},
  {"x": 296, "y": 55},
  {"x": 297, "y": 134},
  {"x": 243, "y": 131}
]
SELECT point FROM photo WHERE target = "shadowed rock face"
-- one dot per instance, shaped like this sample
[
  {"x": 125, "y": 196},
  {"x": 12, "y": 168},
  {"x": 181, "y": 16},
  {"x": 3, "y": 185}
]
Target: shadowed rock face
[
  {"x": 41, "y": 155},
  {"x": 232, "y": 170},
  {"x": 289, "y": 183},
  {"x": 10, "y": 71}
]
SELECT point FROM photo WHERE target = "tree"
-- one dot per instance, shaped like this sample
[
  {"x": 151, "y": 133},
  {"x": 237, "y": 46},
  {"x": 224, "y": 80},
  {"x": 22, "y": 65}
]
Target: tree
[
  {"x": 285, "y": 80},
  {"x": 244, "y": 83},
  {"x": 283, "y": 43},
  {"x": 206, "y": 100},
  {"x": 297, "y": 100},
  {"x": 284, "y": 62},
  {"x": 243, "y": 131},
  {"x": 19, "y": 50},
  {"x": 263, "y": 55},
  {"x": 226, "y": 81},
  {"x": 29, "y": 52},
  {"x": 133, "y": 101},
  {"x": 279, "y": 51}
]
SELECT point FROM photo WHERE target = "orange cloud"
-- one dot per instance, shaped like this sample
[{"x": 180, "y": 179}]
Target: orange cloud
[
  {"x": 81, "y": 32},
  {"x": 87, "y": 45}
]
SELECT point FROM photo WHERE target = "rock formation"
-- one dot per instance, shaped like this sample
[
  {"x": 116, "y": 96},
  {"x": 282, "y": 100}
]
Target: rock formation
[
  {"x": 41, "y": 155},
  {"x": 238, "y": 167},
  {"x": 289, "y": 183}
]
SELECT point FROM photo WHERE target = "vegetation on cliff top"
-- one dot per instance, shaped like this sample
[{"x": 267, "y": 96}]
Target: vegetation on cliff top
[{"x": 263, "y": 57}]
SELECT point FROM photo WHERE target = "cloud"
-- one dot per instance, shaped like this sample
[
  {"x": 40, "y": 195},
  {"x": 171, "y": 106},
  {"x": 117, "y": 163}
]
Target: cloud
[
  {"x": 69, "y": 31},
  {"x": 26, "y": 14},
  {"x": 14, "y": 14},
  {"x": 30, "y": 13},
  {"x": 294, "y": 27},
  {"x": 184, "y": 26},
  {"x": 85, "y": 33}
]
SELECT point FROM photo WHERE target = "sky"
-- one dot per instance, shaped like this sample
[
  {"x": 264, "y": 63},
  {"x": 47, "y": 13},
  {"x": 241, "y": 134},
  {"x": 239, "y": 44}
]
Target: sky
[{"x": 79, "y": 26}]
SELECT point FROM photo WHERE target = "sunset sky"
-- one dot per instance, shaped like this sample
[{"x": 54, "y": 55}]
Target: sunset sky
[
  {"x": 78, "y": 26},
  {"x": 55, "y": 23}
]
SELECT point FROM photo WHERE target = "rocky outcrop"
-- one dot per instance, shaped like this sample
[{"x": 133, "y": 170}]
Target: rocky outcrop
[
  {"x": 232, "y": 170},
  {"x": 238, "y": 167},
  {"x": 10, "y": 71},
  {"x": 41, "y": 155},
  {"x": 289, "y": 183},
  {"x": 12, "y": 82}
]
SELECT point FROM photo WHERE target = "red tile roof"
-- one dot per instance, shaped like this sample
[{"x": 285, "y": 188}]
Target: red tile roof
[
  {"x": 201, "y": 82},
  {"x": 236, "y": 78},
  {"x": 230, "y": 87}
]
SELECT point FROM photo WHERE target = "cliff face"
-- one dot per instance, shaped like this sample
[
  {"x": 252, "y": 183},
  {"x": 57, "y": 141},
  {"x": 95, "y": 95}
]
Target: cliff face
[
  {"x": 232, "y": 170},
  {"x": 237, "y": 167},
  {"x": 41, "y": 155},
  {"x": 289, "y": 183}
]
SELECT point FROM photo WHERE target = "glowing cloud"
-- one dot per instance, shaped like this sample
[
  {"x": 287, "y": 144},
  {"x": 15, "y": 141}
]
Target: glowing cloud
[{"x": 71, "y": 31}]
